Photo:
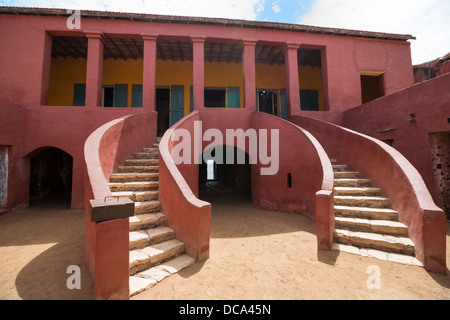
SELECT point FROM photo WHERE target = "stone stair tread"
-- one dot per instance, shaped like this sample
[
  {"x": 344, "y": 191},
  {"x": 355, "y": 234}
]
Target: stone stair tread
[
  {"x": 133, "y": 186},
  {"x": 366, "y": 212},
  {"x": 144, "y": 219},
  {"x": 141, "y": 162},
  {"x": 154, "y": 254},
  {"x": 381, "y": 255},
  {"x": 363, "y": 197},
  {"x": 148, "y": 278},
  {"x": 146, "y": 206},
  {"x": 139, "y": 284},
  {"x": 135, "y": 175},
  {"x": 368, "y": 209},
  {"x": 137, "y": 195},
  {"x": 375, "y": 240},
  {"x": 369, "y": 225},
  {"x": 142, "y": 238},
  {"x": 130, "y": 168},
  {"x": 357, "y": 191},
  {"x": 352, "y": 182}
]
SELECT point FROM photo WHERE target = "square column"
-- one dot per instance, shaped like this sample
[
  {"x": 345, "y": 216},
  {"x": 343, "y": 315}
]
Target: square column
[
  {"x": 149, "y": 71},
  {"x": 94, "y": 69},
  {"x": 248, "y": 64},
  {"x": 198, "y": 48},
  {"x": 292, "y": 83}
]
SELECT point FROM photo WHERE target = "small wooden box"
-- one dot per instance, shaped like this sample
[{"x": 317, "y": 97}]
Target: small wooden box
[{"x": 110, "y": 208}]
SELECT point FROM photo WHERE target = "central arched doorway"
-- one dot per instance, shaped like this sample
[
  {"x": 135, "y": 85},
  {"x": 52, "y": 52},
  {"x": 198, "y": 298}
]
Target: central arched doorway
[
  {"x": 225, "y": 169},
  {"x": 51, "y": 177}
]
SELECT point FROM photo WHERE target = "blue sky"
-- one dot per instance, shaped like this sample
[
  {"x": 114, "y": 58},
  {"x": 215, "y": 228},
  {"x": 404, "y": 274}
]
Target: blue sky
[
  {"x": 288, "y": 11},
  {"x": 427, "y": 20}
]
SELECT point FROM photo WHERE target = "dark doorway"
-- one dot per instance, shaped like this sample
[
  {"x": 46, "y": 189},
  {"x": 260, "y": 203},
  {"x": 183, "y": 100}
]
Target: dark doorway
[
  {"x": 371, "y": 87},
  {"x": 215, "y": 97},
  {"x": 163, "y": 109},
  {"x": 51, "y": 177},
  {"x": 268, "y": 101},
  {"x": 217, "y": 176},
  {"x": 440, "y": 161}
]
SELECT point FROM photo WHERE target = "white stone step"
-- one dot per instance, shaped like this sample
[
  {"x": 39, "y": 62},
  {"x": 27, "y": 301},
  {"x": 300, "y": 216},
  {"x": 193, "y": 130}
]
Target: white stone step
[
  {"x": 147, "y": 206},
  {"x": 381, "y": 255},
  {"x": 134, "y": 186},
  {"x": 137, "y": 195},
  {"x": 352, "y": 182},
  {"x": 141, "y": 162},
  {"x": 133, "y": 176},
  {"x": 154, "y": 168},
  {"x": 376, "y": 226},
  {"x": 366, "y": 213},
  {"x": 362, "y": 201},
  {"x": 148, "y": 278},
  {"x": 346, "y": 174},
  {"x": 141, "y": 238},
  {"x": 375, "y": 241},
  {"x": 141, "y": 259},
  {"x": 357, "y": 191},
  {"x": 146, "y": 220}
]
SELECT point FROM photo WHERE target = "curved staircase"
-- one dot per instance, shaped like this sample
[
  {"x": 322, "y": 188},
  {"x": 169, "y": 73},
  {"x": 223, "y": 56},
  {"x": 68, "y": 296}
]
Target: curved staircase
[
  {"x": 365, "y": 223},
  {"x": 155, "y": 253}
]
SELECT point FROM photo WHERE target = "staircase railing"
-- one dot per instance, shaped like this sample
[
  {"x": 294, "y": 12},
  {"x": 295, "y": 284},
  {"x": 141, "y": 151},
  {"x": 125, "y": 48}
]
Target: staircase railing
[
  {"x": 189, "y": 216},
  {"x": 107, "y": 242},
  {"x": 401, "y": 182}
]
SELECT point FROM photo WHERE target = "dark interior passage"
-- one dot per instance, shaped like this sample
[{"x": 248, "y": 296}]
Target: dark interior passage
[
  {"x": 371, "y": 87},
  {"x": 51, "y": 176},
  {"x": 217, "y": 176},
  {"x": 163, "y": 108}
]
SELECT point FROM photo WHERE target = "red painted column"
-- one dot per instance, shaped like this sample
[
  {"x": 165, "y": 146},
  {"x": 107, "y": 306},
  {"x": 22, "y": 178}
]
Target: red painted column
[
  {"x": 149, "y": 71},
  {"x": 248, "y": 64},
  {"x": 292, "y": 83},
  {"x": 46, "y": 63},
  {"x": 94, "y": 69},
  {"x": 198, "y": 48}
]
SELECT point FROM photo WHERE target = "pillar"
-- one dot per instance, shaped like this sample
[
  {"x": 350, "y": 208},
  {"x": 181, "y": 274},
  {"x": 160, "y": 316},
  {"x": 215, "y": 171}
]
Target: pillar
[
  {"x": 94, "y": 69},
  {"x": 248, "y": 64},
  {"x": 198, "y": 48},
  {"x": 292, "y": 83},
  {"x": 149, "y": 71}
]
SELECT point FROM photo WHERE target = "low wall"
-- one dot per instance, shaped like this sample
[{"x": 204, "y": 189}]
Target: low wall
[
  {"x": 107, "y": 243},
  {"x": 186, "y": 214},
  {"x": 397, "y": 178}
]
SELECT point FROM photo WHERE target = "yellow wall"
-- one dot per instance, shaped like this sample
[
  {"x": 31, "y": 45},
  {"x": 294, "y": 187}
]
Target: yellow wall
[{"x": 65, "y": 72}]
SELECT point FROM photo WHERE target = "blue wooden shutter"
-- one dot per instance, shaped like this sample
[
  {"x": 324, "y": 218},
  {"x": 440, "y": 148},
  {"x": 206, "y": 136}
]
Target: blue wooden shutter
[
  {"x": 309, "y": 100},
  {"x": 176, "y": 104},
  {"x": 283, "y": 104},
  {"x": 79, "y": 94},
  {"x": 233, "y": 97},
  {"x": 136, "y": 95},
  {"x": 120, "y": 95}
]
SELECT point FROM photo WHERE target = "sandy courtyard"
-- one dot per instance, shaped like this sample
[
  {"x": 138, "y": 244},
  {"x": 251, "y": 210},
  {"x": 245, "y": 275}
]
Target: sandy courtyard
[{"x": 254, "y": 254}]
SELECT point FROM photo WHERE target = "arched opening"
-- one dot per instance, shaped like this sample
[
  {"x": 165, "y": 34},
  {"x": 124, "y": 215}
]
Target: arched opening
[
  {"x": 51, "y": 177},
  {"x": 225, "y": 169}
]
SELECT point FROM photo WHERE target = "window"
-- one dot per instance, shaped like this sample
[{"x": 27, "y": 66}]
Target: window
[
  {"x": 215, "y": 97},
  {"x": 210, "y": 170}
]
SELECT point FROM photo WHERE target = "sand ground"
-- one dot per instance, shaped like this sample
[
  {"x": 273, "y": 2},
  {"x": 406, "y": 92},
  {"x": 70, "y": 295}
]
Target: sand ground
[{"x": 254, "y": 254}]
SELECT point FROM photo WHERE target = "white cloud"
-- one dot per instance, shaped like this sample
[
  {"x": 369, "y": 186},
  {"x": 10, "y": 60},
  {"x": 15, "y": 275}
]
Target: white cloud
[
  {"x": 233, "y": 9},
  {"x": 276, "y": 8},
  {"x": 428, "y": 21}
]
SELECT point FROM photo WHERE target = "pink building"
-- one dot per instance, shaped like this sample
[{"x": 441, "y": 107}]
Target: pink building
[{"x": 78, "y": 100}]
